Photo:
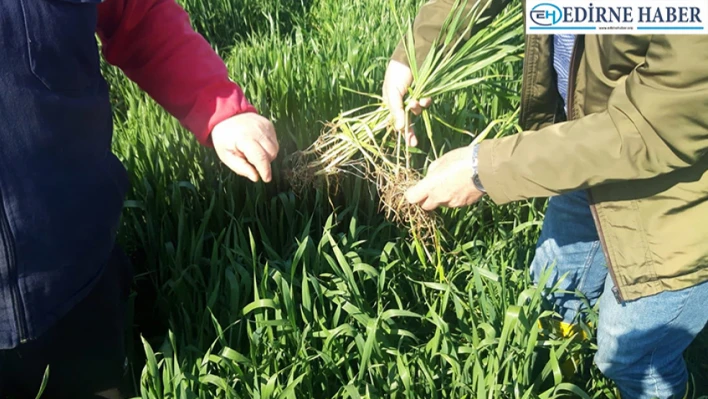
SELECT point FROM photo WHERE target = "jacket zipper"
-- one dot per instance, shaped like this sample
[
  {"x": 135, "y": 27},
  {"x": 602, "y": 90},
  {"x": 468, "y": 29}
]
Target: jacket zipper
[
  {"x": 571, "y": 115},
  {"x": 6, "y": 236}
]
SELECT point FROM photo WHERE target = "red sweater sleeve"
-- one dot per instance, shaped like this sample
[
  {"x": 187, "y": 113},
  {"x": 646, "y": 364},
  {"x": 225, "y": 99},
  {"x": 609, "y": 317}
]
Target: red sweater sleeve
[{"x": 153, "y": 43}]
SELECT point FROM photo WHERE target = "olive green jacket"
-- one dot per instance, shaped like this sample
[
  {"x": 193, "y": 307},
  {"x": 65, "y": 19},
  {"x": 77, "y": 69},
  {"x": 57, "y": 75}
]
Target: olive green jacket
[{"x": 636, "y": 138}]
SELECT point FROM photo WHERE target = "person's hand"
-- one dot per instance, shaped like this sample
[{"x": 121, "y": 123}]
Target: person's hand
[
  {"x": 448, "y": 182},
  {"x": 396, "y": 83},
  {"x": 247, "y": 144}
]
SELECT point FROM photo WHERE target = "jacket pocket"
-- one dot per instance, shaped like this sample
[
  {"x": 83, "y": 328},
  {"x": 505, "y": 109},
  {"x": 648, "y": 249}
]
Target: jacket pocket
[{"x": 62, "y": 49}]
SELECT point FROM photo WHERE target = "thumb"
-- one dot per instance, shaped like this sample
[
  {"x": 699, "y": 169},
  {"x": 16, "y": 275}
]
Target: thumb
[{"x": 418, "y": 193}]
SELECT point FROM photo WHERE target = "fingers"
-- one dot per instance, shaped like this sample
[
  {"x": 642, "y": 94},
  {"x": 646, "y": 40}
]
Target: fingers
[
  {"x": 396, "y": 83},
  {"x": 422, "y": 195},
  {"x": 394, "y": 101},
  {"x": 247, "y": 144},
  {"x": 429, "y": 205},
  {"x": 257, "y": 156},
  {"x": 269, "y": 143},
  {"x": 411, "y": 140},
  {"x": 400, "y": 125},
  {"x": 395, "y": 104},
  {"x": 418, "y": 193},
  {"x": 417, "y": 107},
  {"x": 237, "y": 163}
]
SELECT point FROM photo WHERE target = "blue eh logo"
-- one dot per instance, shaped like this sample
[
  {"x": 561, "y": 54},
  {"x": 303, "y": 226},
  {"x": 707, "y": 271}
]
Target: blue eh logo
[{"x": 546, "y": 14}]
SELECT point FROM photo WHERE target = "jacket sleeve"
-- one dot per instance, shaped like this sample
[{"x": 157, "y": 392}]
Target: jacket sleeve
[
  {"x": 153, "y": 43},
  {"x": 655, "y": 122},
  {"x": 430, "y": 19}
]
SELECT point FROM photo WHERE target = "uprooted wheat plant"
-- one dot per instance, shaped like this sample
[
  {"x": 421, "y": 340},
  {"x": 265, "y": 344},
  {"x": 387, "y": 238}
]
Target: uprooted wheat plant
[{"x": 363, "y": 142}]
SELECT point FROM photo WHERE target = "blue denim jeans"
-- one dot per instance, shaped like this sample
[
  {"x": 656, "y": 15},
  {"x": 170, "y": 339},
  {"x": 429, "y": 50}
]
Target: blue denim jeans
[{"x": 640, "y": 343}]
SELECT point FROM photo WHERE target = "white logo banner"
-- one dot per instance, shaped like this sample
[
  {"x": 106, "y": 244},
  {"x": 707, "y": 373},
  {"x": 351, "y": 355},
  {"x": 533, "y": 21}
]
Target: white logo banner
[{"x": 634, "y": 17}]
